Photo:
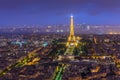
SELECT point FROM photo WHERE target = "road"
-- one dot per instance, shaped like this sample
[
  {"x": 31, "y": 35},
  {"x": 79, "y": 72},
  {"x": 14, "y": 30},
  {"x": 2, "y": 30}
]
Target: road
[
  {"x": 30, "y": 59},
  {"x": 59, "y": 72}
]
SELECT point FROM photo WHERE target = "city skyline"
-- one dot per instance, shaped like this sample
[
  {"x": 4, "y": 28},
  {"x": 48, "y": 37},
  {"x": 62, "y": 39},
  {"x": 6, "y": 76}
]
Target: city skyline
[
  {"x": 59, "y": 40},
  {"x": 44, "y": 12}
]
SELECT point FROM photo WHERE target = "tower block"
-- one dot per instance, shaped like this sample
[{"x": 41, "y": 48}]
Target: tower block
[{"x": 71, "y": 38}]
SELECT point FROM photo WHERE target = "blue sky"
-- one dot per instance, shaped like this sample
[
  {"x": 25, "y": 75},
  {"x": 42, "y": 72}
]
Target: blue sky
[{"x": 32, "y": 12}]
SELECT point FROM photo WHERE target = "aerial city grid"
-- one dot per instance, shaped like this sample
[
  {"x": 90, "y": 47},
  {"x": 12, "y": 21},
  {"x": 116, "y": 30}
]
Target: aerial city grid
[{"x": 59, "y": 40}]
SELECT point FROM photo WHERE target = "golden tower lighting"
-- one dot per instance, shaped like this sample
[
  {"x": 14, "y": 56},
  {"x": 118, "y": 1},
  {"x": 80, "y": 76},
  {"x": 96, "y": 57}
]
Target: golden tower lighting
[{"x": 71, "y": 39}]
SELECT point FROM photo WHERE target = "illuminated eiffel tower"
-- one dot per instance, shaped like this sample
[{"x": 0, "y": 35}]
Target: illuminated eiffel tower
[{"x": 71, "y": 39}]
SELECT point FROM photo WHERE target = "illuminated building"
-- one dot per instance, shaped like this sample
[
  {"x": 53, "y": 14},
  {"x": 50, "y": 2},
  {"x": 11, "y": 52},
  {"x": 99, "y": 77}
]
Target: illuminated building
[{"x": 71, "y": 38}]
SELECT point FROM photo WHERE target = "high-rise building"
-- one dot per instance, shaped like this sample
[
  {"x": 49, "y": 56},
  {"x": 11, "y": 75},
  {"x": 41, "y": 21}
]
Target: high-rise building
[{"x": 71, "y": 38}]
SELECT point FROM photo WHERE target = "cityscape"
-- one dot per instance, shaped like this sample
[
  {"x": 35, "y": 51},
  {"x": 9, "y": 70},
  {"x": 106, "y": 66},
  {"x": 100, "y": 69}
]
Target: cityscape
[{"x": 60, "y": 51}]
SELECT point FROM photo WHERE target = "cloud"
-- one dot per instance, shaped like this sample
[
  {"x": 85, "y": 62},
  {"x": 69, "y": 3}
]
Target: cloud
[{"x": 61, "y": 7}]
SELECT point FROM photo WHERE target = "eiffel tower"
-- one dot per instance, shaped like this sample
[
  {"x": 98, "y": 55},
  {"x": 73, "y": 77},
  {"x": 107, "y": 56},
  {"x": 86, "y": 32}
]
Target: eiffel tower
[{"x": 71, "y": 39}]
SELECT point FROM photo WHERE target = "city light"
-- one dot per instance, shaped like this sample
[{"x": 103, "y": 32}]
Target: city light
[{"x": 42, "y": 40}]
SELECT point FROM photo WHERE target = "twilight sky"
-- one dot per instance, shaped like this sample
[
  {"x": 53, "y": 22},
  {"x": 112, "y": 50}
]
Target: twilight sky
[{"x": 32, "y": 12}]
